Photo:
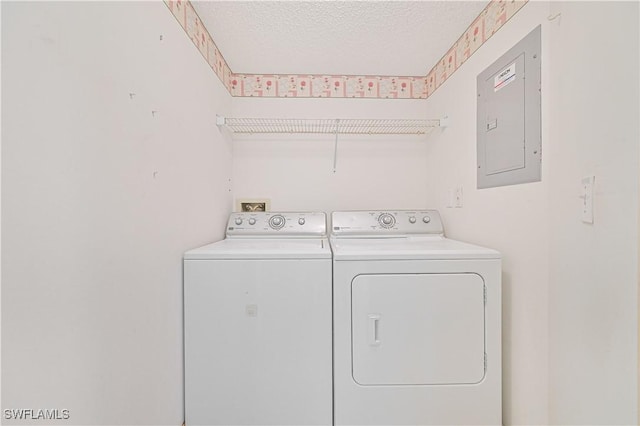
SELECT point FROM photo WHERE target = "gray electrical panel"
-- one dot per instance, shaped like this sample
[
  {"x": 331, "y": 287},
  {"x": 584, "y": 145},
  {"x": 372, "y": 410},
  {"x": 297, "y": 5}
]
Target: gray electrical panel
[{"x": 509, "y": 130}]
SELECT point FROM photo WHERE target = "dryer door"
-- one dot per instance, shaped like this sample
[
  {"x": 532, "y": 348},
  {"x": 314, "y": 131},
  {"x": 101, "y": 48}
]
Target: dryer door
[{"x": 418, "y": 329}]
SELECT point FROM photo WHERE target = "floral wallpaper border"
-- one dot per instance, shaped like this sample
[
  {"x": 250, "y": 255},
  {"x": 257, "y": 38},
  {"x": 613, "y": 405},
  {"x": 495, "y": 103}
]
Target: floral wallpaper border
[
  {"x": 187, "y": 17},
  {"x": 490, "y": 20}
]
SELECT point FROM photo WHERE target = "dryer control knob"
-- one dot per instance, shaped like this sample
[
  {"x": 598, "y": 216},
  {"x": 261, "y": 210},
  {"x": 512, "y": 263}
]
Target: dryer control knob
[
  {"x": 426, "y": 219},
  {"x": 301, "y": 221},
  {"x": 386, "y": 220},
  {"x": 252, "y": 221},
  {"x": 276, "y": 222},
  {"x": 238, "y": 221},
  {"x": 412, "y": 219}
]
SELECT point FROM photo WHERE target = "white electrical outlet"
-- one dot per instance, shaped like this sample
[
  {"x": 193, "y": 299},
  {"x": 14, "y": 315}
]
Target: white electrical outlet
[
  {"x": 458, "y": 196},
  {"x": 586, "y": 197},
  {"x": 451, "y": 197}
]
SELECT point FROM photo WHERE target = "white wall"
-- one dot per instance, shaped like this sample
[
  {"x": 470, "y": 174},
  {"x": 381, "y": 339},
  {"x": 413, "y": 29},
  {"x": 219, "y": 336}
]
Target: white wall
[
  {"x": 100, "y": 199},
  {"x": 296, "y": 171},
  {"x": 570, "y": 289},
  {"x": 594, "y": 130},
  {"x": 510, "y": 219}
]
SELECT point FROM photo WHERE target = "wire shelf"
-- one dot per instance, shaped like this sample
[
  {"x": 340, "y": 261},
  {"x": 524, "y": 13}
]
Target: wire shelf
[{"x": 330, "y": 126}]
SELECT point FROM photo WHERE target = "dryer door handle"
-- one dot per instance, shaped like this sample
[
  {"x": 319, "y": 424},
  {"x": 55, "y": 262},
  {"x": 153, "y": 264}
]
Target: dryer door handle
[{"x": 374, "y": 329}]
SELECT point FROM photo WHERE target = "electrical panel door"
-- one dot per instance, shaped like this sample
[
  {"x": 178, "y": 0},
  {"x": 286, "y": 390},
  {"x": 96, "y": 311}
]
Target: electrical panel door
[{"x": 508, "y": 128}]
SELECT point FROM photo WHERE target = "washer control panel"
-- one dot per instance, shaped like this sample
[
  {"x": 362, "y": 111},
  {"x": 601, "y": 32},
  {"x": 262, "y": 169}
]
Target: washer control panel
[
  {"x": 277, "y": 224},
  {"x": 389, "y": 222}
]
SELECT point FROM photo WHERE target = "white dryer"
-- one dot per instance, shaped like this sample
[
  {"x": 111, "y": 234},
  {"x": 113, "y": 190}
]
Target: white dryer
[
  {"x": 257, "y": 323},
  {"x": 417, "y": 323}
]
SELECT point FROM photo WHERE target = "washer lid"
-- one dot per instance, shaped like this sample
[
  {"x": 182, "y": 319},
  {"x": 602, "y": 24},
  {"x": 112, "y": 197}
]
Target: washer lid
[
  {"x": 263, "y": 248},
  {"x": 407, "y": 248}
]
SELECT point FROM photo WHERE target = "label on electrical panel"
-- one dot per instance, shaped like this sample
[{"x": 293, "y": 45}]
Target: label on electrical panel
[{"x": 504, "y": 77}]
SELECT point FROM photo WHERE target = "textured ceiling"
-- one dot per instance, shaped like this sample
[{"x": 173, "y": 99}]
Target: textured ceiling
[{"x": 336, "y": 37}]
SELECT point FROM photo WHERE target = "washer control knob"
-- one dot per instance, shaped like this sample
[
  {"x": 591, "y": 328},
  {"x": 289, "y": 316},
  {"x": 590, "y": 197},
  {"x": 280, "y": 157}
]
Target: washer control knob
[
  {"x": 386, "y": 220},
  {"x": 277, "y": 221},
  {"x": 412, "y": 219},
  {"x": 252, "y": 221},
  {"x": 301, "y": 221},
  {"x": 426, "y": 219},
  {"x": 238, "y": 221}
]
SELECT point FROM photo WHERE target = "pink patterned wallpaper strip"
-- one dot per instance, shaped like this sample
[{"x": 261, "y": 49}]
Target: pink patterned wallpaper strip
[
  {"x": 327, "y": 86},
  {"x": 187, "y": 17},
  {"x": 490, "y": 20}
]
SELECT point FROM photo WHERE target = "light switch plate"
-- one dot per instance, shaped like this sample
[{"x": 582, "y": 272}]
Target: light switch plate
[{"x": 586, "y": 197}]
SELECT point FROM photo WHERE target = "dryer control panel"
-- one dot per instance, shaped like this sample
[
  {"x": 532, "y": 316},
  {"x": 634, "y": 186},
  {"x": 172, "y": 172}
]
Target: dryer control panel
[
  {"x": 386, "y": 222},
  {"x": 277, "y": 224}
]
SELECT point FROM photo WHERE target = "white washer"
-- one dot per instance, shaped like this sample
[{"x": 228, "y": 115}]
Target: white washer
[
  {"x": 417, "y": 328},
  {"x": 257, "y": 318}
]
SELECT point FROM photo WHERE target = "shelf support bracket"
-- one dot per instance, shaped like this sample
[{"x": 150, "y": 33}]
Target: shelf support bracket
[{"x": 335, "y": 146}]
